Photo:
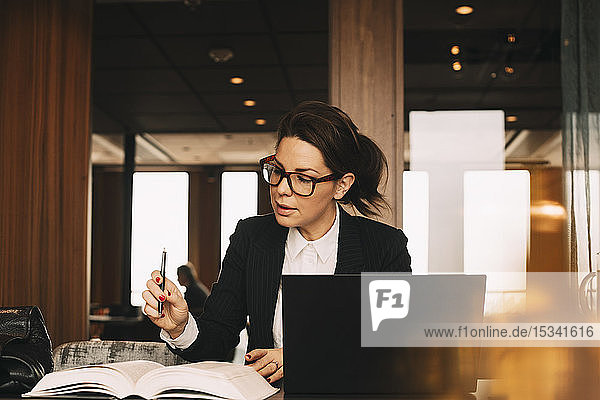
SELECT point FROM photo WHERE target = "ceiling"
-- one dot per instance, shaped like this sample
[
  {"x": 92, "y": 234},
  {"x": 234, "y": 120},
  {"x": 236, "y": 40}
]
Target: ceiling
[{"x": 152, "y": 73}]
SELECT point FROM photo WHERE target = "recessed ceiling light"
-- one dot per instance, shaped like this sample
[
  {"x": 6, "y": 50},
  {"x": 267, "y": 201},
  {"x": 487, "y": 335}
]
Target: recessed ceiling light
[
  {"x": 455, "y": 50},
  {"x": 509, "y": 70},
  {"x": 493, "y": 75},
  {"x": 511, "y": 118},
  {"x": 456, "y": 65},
  {"x": 236, "y": 80},
  {"x": 260, "y": 121},
  {"x": 511, "y": 38},
  {"x": 249, "y": 103},
  {"x": 464, "y": 10}
]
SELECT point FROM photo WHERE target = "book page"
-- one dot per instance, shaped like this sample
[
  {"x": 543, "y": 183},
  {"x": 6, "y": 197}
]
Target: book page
[
  {"x": 221, "y": 379},
  {"x": 134, "y": 370},
  {"x": 116, "y": 379}
]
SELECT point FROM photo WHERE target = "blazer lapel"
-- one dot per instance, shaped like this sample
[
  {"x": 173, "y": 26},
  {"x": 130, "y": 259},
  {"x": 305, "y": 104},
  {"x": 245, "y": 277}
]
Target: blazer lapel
[
  {"x": 268, "y": 263},
  {"x": 350, "y": 257}
]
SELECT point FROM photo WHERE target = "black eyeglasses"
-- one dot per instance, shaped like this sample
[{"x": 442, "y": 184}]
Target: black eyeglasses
[{"x": 301, "y": 184}]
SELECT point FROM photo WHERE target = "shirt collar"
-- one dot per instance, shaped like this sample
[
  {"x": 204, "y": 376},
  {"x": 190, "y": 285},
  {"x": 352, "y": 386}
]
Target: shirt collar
[{"x": 324, "y": 246}]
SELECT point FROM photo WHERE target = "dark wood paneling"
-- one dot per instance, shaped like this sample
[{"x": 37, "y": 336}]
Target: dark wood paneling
[
  {"x": 107, "y": 234},
  {"x": 366, "y": 79},
  {"x": 45, "y": 53},
  {"x": 548, "y": 246},
  {"x": 205, "y": 224}
]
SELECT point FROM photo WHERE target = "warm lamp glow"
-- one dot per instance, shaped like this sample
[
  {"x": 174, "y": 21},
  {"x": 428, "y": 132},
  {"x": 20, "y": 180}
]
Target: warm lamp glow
[
  {"x": 511, "y": 38},
  {"x": 236, "y": 80},
  {"x": 456, "y": 65},
  {"x": 464, "y": 10},
  {"x": 249, "y": 103},
  {"x": 260, "y": 121},
  {"x": 511, "y": 118},
  {"x": 455, "y": 50},
  {"x": 547, "y": 208},
  {"x": 509, "y": 70}
]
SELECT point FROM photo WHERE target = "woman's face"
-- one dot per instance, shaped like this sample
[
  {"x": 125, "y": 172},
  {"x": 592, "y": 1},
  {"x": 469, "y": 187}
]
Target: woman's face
[{"x": 313, "y": 215}]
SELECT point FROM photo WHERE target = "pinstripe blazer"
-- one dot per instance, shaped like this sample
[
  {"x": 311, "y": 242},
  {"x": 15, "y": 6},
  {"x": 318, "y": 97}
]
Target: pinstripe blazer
[{"x": 251, "y": 271}]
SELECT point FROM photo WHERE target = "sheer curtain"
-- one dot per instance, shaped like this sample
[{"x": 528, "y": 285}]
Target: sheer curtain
[{"x": 581, "y": 135}]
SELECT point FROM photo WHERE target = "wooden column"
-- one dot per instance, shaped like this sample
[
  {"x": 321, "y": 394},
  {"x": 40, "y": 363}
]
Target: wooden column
[
  {"x": 45, "y": 57},
  {"x": 366, "y": 79},
  {"x": 205, "y": 224}
]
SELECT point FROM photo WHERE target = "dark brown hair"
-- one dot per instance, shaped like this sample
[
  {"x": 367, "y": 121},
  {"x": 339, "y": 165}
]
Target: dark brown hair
[
  {"x": 344, "y": 150},
  {"x": 189, "y": 271}
]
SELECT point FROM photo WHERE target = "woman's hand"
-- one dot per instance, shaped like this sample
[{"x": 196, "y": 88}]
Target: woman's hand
[
  {"x": 174, "y": 317},
  {"x": 268, "y": 363}
]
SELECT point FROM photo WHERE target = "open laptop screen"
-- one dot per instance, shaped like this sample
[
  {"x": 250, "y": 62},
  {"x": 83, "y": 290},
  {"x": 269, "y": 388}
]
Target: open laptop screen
[{"x": 322, "y": 339}]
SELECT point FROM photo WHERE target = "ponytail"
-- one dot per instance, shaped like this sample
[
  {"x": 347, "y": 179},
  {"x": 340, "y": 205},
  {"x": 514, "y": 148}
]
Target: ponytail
[
  {"x": 344, "y": 150},
  {"x": 364, "y": 194}
]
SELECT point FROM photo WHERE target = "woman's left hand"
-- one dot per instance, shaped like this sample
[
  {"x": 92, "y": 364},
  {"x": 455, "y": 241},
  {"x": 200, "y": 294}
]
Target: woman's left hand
[{"x": 268, "y": 363}]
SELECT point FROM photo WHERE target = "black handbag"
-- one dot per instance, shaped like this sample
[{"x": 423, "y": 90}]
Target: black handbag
[{"x": 25, "y": 349}]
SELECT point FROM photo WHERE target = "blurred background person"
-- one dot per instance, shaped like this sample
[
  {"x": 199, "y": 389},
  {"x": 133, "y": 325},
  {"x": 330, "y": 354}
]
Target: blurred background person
[{"x": 195, "y": 291}]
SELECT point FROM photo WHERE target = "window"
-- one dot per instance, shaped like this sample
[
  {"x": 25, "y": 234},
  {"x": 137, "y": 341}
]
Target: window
[
  {"x": 239, "y": 199},
  {"x": 159, "y": 220}
]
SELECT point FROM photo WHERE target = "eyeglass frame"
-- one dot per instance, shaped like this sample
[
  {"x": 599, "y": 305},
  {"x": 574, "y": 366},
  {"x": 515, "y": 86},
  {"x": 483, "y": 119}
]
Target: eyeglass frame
[{"x": 327, "y": 178}]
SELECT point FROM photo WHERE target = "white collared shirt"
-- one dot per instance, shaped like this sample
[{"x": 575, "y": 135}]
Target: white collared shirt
[
  {"x": 316, "y": 257},
  {"x": 304, "y": 257}
]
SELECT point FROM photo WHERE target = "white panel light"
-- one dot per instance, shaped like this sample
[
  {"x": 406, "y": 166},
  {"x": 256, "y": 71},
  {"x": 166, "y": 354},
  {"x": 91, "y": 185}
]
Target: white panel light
[
  {"x": 415, "y": 218},
  {"x": 496, "y": 227},
  {"x": 445, "y": 144}
]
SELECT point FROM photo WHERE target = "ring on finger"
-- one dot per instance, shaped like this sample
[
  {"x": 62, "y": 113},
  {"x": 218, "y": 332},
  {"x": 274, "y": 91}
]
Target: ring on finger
[{"x": 276, "y": 364}]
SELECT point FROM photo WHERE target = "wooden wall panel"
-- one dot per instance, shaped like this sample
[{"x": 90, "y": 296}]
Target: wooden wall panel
[
  {"x": 205, "y": 224},
  {"x": 548, "y": 241},
  {"x": 45, "y": 55},
  {"x": 107, "y": 234},
  {"x": 367, "y": 80}
]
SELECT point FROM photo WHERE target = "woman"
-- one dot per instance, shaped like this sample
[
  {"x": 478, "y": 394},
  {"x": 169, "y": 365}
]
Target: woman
[{"x": 321, "y": 159}]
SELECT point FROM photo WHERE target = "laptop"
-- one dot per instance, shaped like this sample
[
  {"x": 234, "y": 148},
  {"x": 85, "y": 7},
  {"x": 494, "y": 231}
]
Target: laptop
[{"x": 322, "y": 339}]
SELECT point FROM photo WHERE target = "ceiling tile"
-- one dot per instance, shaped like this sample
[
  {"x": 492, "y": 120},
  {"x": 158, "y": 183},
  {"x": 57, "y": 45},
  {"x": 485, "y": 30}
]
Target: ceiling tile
[
  {"x": 173, "y": 122},
  {"x": 322, "y": 95},
  {"x": 481, "y": 45},
  {"x": 309, "y": 78},
  {"x": 426, "y": 76},
  {"x": 524, "y": 97},
  {"x": 127, "y": 52},
  {"x": 245, "y": 122},
  {"x": 103, "y": 123},
  {"x": 304, "y": 48},
  {"x": 233, "y": 103},
  {"x": 255, "y": 79},
  {"x": 149, "y": 103},
  {"x": 113, "y": 20},
  {"x": 440, "y": 14},
  {"x": 306, "y": 15},
  {"x": 137, "y": 81},
  {"x": 193, "y": 51},
  {"x": 210, "y": 17}
]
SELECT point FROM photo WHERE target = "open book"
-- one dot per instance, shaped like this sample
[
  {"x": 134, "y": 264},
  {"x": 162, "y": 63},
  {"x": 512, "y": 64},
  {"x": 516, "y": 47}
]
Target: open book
[{"x": 150, "y": 380}]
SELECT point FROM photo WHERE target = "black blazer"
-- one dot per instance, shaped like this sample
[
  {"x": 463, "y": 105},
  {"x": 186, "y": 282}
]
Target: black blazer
[{"x": 251, "y": 271}]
